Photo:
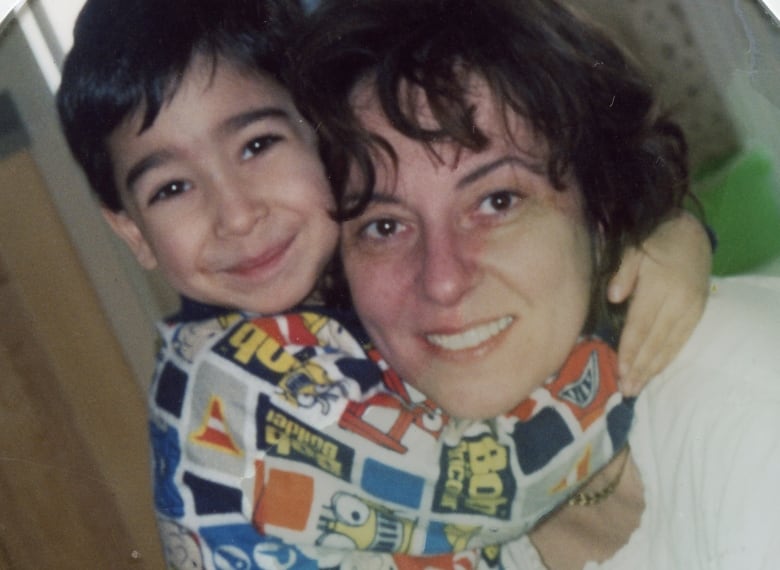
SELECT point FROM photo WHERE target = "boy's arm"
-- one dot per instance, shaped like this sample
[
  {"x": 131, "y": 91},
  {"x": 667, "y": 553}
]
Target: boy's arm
[{"x": 667, "y": 280}]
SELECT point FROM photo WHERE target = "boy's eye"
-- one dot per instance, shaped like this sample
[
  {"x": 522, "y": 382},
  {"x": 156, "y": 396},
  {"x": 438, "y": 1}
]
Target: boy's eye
[
  {"x": 258, "y": 145},
  {"x": 169, "y": 190},
  {"x": 497, "y": 202}
]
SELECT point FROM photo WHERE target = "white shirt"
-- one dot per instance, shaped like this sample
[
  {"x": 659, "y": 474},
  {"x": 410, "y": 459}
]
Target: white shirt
[{"x": 706, "y": 441}]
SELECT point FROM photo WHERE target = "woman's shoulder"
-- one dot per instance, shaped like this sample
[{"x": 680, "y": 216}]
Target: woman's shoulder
[
  {"x": 708, "y": 429},
  {"x": 731, "y": 358},
  {"x": 746, "y": 302},
  {"x": 737, "y": 337}
]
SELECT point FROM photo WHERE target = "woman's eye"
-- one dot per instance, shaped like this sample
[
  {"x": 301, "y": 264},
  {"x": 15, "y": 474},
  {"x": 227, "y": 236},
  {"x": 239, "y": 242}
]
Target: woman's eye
[
  {"x": 498, "y": 202},
  {"x": 258, "y": 145},
  {"x": 169, "y": 191},
  {"x": 381, "y": 229}
]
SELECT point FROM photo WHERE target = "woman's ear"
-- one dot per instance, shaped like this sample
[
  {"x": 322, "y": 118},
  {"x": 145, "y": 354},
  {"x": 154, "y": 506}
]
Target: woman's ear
[{"x": 124, "y": 226}]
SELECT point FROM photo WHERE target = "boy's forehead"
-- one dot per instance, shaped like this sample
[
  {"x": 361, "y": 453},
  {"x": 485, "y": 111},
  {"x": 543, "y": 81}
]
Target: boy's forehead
[
  {"x": 206, "y": 73},
  {"x": 236, "y": 85},
  {"x": 212, "y": 100}
]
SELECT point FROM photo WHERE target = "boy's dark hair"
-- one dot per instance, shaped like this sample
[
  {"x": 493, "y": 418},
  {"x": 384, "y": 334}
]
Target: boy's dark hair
[
  {"x": 130, "y": 55},
  {"x": 573, "y": 85}
]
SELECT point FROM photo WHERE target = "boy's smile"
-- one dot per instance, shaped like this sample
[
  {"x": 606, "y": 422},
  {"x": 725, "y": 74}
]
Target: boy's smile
[{"x": 225, "y": 192}]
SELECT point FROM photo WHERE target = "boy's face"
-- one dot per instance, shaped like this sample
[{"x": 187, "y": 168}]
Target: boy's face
[{"x": 225, "y": 192}]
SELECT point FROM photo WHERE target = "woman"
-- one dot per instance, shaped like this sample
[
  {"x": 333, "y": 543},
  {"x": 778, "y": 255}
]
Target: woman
[{"x": 482, "y": 149}]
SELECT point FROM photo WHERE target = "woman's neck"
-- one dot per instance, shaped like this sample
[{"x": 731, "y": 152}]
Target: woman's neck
[{"x": 576, "y": 534}]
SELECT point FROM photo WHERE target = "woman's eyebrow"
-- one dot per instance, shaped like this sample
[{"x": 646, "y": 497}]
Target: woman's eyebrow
[
  {"x": 485, "y": 169},
  {"x": 384, "y": 198},
  {"x": 381, "y": 197}
]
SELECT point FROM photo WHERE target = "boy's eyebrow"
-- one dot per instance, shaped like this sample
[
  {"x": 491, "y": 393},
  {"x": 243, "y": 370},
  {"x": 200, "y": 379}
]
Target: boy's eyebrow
[
  {"x": 231, "y": 124},
  {"x": 240, "y": 120},
  {"x": 145, "y": 164}
]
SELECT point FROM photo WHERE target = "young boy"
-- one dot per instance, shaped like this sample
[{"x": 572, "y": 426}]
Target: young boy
[{"x": 280, "y": 437}]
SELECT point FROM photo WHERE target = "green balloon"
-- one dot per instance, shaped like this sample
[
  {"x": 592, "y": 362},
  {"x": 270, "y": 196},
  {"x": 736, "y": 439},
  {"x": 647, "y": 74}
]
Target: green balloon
[{"x": 741, "y": 203}]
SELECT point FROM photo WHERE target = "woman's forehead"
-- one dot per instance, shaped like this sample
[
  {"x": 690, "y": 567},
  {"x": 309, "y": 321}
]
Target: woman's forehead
[{"x": 497, "y": 121}]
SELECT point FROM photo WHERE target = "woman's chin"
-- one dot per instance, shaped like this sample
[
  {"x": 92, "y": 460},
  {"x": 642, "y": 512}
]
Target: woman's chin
[
  {"x": 477, "y": 392},
  {"x": 478, "y": 407}
]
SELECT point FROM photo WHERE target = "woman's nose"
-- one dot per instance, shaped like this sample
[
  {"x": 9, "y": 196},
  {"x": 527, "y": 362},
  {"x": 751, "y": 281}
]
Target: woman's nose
[
  {"x": 449, "y": 269},
  {"x": 237, "y": 208}
]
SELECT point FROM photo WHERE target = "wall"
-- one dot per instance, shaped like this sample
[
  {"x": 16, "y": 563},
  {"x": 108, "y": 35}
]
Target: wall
[
  {"x": 132, "y": 299},
  {"x": 75, "y": 484}
]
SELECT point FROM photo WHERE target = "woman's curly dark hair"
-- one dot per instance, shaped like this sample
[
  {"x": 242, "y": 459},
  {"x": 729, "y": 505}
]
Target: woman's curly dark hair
[{"x": 574, "y": 86}]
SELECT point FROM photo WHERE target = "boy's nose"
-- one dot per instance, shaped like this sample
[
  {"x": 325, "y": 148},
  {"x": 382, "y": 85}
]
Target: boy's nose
[
  {"x": 237, "y": 210},
  {"x": 449, "y": 269}
]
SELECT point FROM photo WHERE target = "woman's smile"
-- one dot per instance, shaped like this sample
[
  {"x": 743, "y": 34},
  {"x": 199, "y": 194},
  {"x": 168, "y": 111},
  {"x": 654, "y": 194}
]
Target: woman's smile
[{"x": 471, "y": 338}]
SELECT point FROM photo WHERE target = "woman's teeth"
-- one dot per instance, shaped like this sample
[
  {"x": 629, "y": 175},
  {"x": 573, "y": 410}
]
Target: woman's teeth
[{"x": 472, "y": 337}]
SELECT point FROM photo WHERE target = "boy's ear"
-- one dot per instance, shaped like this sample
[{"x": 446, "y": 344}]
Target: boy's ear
[{"x": 131, "y": 234}]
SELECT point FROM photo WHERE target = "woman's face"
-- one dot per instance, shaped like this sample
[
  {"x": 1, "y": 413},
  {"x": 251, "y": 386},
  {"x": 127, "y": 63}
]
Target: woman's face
[{"x": 471, "y": 273}]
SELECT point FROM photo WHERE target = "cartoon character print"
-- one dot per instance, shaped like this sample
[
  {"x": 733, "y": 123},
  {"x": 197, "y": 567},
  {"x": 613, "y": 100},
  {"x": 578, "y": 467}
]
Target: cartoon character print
[
  {"x": 189, "y": 338},
  {"x": 278, "y": 555},
  {"x": 282, "y": 351},
  {"x": 587, "y": 380},
  {"x": 166, "y": 457},
  {"x": 475, "y": 478},
  {"x": 283, "y": 435},
  {"x": 180, "y": 547},
  {"x": 408, "y": 410},
  {"x": 240, "y": 547},
  {"x": 491, "y": 557},
  {"x": 308, "y": 386},
  {"x": 353, "y": 523},
  {"x": 357, "y": 525}
]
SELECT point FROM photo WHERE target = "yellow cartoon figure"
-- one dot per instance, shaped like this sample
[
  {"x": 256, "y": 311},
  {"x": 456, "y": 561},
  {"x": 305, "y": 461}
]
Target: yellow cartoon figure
[
  {"x": 308, "y": 385},
  {"x": 362, "y": 525}
]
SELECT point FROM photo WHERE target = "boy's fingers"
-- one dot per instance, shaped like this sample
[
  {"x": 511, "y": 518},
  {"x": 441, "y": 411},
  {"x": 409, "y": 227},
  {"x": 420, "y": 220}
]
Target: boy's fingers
[
  {"x": 624, "y": 281},
  {"x": 635, "y": 364},
  {"x": 676, "y": 318},
  {"x": 639, "y": 342},
  {"x": 651, "y": 356},
  {"x": 654, "y": 364},
  {"x": 664, "y": 279}
]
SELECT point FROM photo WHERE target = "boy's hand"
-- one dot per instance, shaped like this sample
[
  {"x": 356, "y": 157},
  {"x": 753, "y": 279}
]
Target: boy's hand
[{"x": 667, "y": 278}]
